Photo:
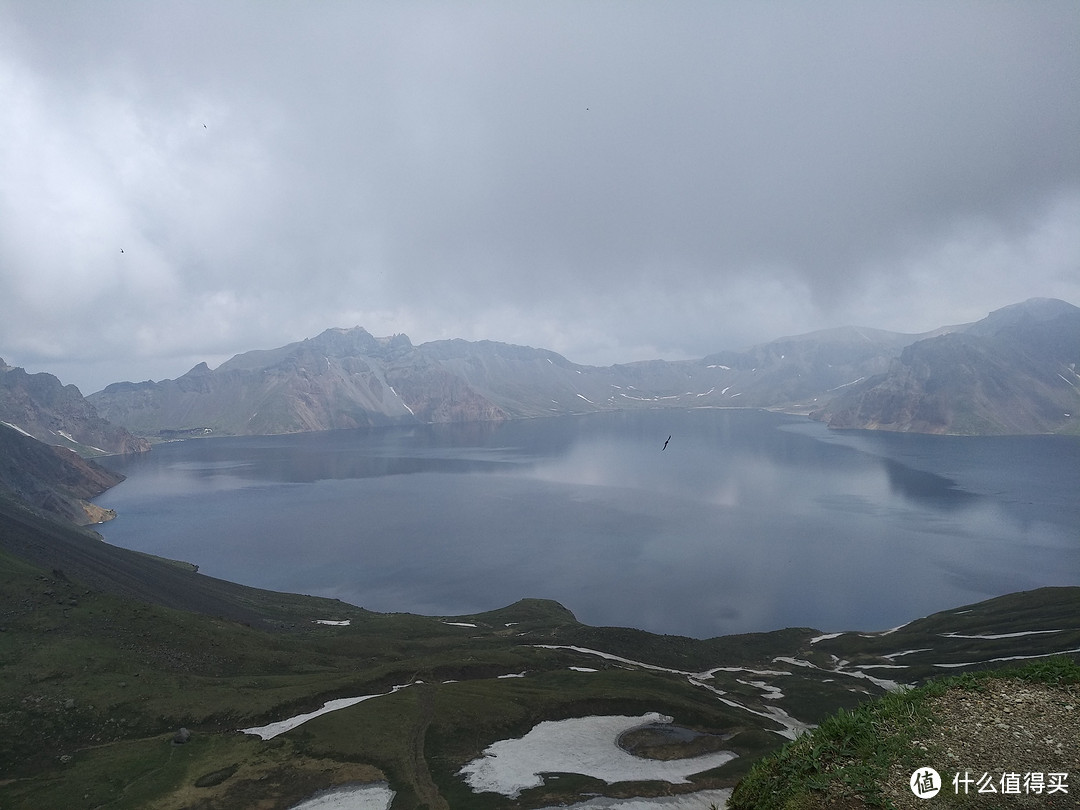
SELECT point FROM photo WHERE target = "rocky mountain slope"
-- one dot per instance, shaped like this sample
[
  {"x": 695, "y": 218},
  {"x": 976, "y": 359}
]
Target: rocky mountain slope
[
  {"x": 347, "y": 378},
  {"x": 53, "y": 479},
  {"x": 343, "y": 378},
  {"x": 1015, "y": 371},
  {"x": 39, "y": 405}
]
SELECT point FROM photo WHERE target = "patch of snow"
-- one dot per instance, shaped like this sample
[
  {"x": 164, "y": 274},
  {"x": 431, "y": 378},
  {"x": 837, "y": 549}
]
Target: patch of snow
[
  {"x": 796, "y": 662},
  {"x": 792, "y": 727},
  {"x": 403, "y": 402},
  {"x": 825, "y": 637},
  {"x": 890, "y": 656},
  {"x": 771, "y": 692},
  {"x": 717, "y": 365},
  {"x": 1001, "y": 635},
  {"x": 889, "y": 686},
  {"x": 582, "y": 396},
  {"x": 271, "y": 730},
  {"x": 15, "y": 427},
  {"x": 845, "y": 385},
  {"x": 736, "y": 395},
  {"x": 707, "y": 392},
  {"x": 611, "y": 657},
  {"x": 700, "y": 800},
  {"x": 460, "y": 624},
  {"x": 891, "y": 630},
  {"x": 584, "y": 745},
  {"x": 378, "y": 796},
  {"x": 1008, "y": 658},
  {"x": 709, "y": 674},
  {"x": 342, "y": 623},
  {"x": 880, "y": 666},
  {"x": 584, "y": 669},
  {"x": 73, "y": 440},
  {"x": 512, "y": 675}
]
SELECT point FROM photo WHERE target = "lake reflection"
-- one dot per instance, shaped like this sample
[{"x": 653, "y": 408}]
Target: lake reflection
[{"x": 747, "y": 521}]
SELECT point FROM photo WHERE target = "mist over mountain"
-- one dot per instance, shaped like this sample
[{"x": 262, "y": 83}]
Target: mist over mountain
[
  {"x": 346, "y": 378},
  {"x": 1013, "y": 372}
]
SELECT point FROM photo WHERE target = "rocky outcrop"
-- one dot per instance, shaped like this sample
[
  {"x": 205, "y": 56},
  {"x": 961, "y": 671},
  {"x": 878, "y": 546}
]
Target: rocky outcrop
[
  {"x": 53, "y": 479},
  {"x": 1014, "y": 372},
  {"x": 343, "y": 378},
  {"x": 39, "y": 405}
]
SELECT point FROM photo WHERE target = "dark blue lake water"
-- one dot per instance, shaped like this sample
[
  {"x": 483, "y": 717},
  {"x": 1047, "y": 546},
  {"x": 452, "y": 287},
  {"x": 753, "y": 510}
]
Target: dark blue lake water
[{"x": 747, "y": 521}]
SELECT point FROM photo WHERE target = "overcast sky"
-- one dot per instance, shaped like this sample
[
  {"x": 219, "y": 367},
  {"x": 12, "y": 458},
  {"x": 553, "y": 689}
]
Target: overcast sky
[{"x": 183, "y": 181}]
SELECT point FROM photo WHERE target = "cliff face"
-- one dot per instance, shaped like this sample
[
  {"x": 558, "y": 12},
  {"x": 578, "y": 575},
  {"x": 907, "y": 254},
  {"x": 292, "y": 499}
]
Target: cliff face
[
  {"x": 41, "y": 406},
  {"x": 343, "y": 378},
  {"x": 346, "y": 378},
  {"x": 53, "y": 479},
  {"x": 1013, "y": 372}
]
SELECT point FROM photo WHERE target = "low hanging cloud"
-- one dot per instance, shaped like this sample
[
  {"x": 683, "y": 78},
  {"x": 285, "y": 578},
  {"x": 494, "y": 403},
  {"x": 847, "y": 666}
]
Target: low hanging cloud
[{"x": 615, "y": 182}]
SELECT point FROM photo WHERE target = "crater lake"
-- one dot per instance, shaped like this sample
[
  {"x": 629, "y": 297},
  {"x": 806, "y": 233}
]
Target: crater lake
[{"x": 747, "y": 520}]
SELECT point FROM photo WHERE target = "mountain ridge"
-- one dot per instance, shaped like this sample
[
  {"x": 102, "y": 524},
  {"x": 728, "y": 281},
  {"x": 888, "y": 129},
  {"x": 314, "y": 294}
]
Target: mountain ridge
[
  {"x": 851, "y": 377},
  {"x": 1013, "y": 372},
  {"x": 39, "y": 405}
]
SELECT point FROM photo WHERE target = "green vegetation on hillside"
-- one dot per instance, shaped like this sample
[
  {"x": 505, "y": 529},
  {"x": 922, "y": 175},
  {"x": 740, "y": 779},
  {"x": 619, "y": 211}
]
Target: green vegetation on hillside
[
  {"x": 106, "y": 653},
  {"x": 854, "y": 757}
]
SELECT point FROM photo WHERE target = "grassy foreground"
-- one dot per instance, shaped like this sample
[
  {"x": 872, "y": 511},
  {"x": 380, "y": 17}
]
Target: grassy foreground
[
  {"x": 105, "y": 654},
  {"x": 850, "y": 758}
]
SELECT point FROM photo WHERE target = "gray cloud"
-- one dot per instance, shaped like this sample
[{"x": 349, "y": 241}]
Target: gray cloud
[{"x": 614, "y": 181}]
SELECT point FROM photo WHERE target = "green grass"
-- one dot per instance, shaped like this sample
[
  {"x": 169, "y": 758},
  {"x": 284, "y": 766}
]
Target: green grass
[
  {"x": 95, "y": 680},
  {"x": 850, "y": 753}
]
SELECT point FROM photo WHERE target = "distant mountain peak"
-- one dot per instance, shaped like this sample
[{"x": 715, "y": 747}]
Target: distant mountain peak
[
  {"x": 41, "y": 406},
  {"x": 346, "y": 377},
  {"x": 198, "y": 370},
  {"x": 1014, "y": 371}
]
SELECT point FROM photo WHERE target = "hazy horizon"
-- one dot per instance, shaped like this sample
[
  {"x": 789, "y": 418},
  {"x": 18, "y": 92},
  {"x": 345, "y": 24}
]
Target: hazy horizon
[{"x": 185, "y": 181}]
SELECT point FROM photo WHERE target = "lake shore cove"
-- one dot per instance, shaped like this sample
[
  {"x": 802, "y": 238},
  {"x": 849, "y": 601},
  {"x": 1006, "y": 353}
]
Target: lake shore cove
[{"x": 95, "y": 684}]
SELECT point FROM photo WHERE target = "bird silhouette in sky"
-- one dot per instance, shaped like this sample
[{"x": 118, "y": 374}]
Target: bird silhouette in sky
[
  {"x": 662, "y": 449},
  {"x": 121, "y": 250}
]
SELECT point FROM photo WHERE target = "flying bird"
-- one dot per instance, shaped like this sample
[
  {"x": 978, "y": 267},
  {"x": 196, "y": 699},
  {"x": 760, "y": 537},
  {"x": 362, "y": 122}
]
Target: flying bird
[
  {"x": 662, "y": 449},
  {"x": 121, "y": 250}
]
